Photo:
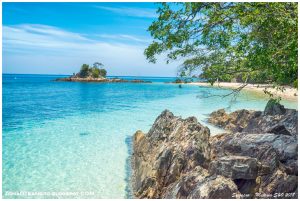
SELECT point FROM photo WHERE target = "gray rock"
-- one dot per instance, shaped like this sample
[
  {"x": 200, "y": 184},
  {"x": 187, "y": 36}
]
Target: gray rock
[
  {"x": 177, "y": 158},
  {"x": 198, "y": 184},
  {"x": 235, "y": 167},
  {"x": 278, "y": 182},
  {"x": 267, "y": 148},
  {"x": 290, "y": 167},
  {"x": 274, "y": 108},
  {"x": 272, "y": 120},
  {"x": 286, "y": 124},
  {"x": 173, "y": 146},
  {"x": 277, "y": 161}
]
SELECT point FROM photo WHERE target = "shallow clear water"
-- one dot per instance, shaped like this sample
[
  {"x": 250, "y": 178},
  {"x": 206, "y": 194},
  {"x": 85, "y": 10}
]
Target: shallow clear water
[{"x": 76, "y": 137}]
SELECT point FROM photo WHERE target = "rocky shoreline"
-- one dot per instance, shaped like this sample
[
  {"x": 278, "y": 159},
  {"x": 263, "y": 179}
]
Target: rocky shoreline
[
  {"x": 102, "y": 80},
  {"x": 256, "y": 158}
]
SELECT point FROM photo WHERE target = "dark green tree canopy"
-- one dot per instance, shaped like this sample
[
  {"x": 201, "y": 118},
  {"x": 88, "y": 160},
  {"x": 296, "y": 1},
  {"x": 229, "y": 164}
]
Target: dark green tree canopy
[
  {"x": 102, "y": 72},
  {"x": 84, "y": 70},
  {"x": 254, "y": 42},
  {"x": 95, "y": 71}
]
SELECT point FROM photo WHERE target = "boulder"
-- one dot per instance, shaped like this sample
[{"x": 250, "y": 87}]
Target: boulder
[
  {"x": 275, "y": 119},
  {"x": 173, "y": 146},
  {"x": 274, "y": 108},
  {"x": 235, "y": 121},
  {"x": 269, "y": 149},
  {"x": 199, "y": 184},
  {"x": 278, "y": 183},
  {"x": 276, "y": 159},
  {"x": 290, "y": 167},
  {"x": 235, "y": 167}
]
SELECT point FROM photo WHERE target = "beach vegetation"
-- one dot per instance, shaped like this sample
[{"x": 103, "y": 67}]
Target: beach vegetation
[{"x": 248, "y": 42}]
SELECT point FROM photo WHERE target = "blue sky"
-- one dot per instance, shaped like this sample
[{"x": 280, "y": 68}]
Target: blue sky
[{"x": 56, "y": 38}]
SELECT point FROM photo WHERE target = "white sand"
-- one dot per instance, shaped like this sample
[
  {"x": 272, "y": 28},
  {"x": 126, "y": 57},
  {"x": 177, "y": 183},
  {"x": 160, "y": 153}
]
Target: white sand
[{"x": 289, "y": 93}]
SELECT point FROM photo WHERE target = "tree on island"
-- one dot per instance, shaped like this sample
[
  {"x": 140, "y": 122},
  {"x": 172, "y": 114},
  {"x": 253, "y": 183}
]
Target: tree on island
[
  {"x": 250, "y": 42},
  {"x": 84, "y": 70},
  {"x": 96, "y": 71}
]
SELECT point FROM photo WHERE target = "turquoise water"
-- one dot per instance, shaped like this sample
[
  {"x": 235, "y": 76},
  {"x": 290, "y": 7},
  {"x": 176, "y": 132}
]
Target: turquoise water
[{"x": 73, "y": 140}]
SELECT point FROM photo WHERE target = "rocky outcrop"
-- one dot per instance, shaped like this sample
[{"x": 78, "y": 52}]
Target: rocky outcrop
[
  {"x": 177, "y": 158},
  {"x": 274, "y": 108},
  {"x": 199, "y": 184},
  {"x": 274, "y": 119},
  {"x": 271, "y": 152},
  {"x": 159, "y": 160},
  {"x": 269, "y": 148},
  {"x": 235, "y": 167},
  {"x": 235, "y": 121}
]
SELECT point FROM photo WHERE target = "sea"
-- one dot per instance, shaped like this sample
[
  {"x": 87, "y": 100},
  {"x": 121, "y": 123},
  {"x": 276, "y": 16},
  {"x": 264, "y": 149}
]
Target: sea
[{"x": 74, "y": 140}]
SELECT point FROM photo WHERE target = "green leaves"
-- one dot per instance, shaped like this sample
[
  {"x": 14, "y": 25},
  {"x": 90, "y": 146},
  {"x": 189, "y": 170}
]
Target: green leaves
[
  {"x": 84, "y": 70},
  {"x": 254, "y": 42},
  {"x": 94, "y": 71}
]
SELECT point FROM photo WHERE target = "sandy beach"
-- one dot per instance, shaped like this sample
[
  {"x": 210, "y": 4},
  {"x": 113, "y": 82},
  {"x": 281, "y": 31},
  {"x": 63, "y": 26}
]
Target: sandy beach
[{"x": 289, "y": 93}]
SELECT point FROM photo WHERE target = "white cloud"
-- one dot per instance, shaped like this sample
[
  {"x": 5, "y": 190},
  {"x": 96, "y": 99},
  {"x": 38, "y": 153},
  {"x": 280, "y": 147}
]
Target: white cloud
[
  {"x": 129, "y": 11},
  {"x": 124, "y": 37},
  {"x": 40, "y": 36},
  {"x": 32, "y": 48}
]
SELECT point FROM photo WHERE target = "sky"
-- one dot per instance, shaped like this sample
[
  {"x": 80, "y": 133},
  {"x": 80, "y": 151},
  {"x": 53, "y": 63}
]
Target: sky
[{"x": 57, "y": 38}]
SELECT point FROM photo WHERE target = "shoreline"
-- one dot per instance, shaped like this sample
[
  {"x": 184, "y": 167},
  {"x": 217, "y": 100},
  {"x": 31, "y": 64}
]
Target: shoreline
[
  {"x": 101, "y": 80},
  {"x": 289, "y": 93}
]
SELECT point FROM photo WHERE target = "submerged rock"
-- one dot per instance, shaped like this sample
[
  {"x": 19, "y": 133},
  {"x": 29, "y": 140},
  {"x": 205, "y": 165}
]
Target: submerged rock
[{"x": 177, "y": 158}]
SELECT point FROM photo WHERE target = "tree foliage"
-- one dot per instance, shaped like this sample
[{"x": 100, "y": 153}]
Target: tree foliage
[
  {"x": 102, "y": 72},
  {"x": 97, "y": 65},
  {"x": 95, "y": 71},
  {"x": 252, "y": 42},
  {"x": 84, "y": 70}
]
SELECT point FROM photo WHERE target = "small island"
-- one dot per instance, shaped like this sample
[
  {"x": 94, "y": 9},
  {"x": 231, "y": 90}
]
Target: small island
[{"x": 95, "y": 73}]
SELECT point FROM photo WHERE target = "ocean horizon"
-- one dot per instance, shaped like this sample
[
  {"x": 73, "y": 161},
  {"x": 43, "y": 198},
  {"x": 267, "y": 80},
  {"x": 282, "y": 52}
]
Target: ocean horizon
[{"x": 109, "y": 76}]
